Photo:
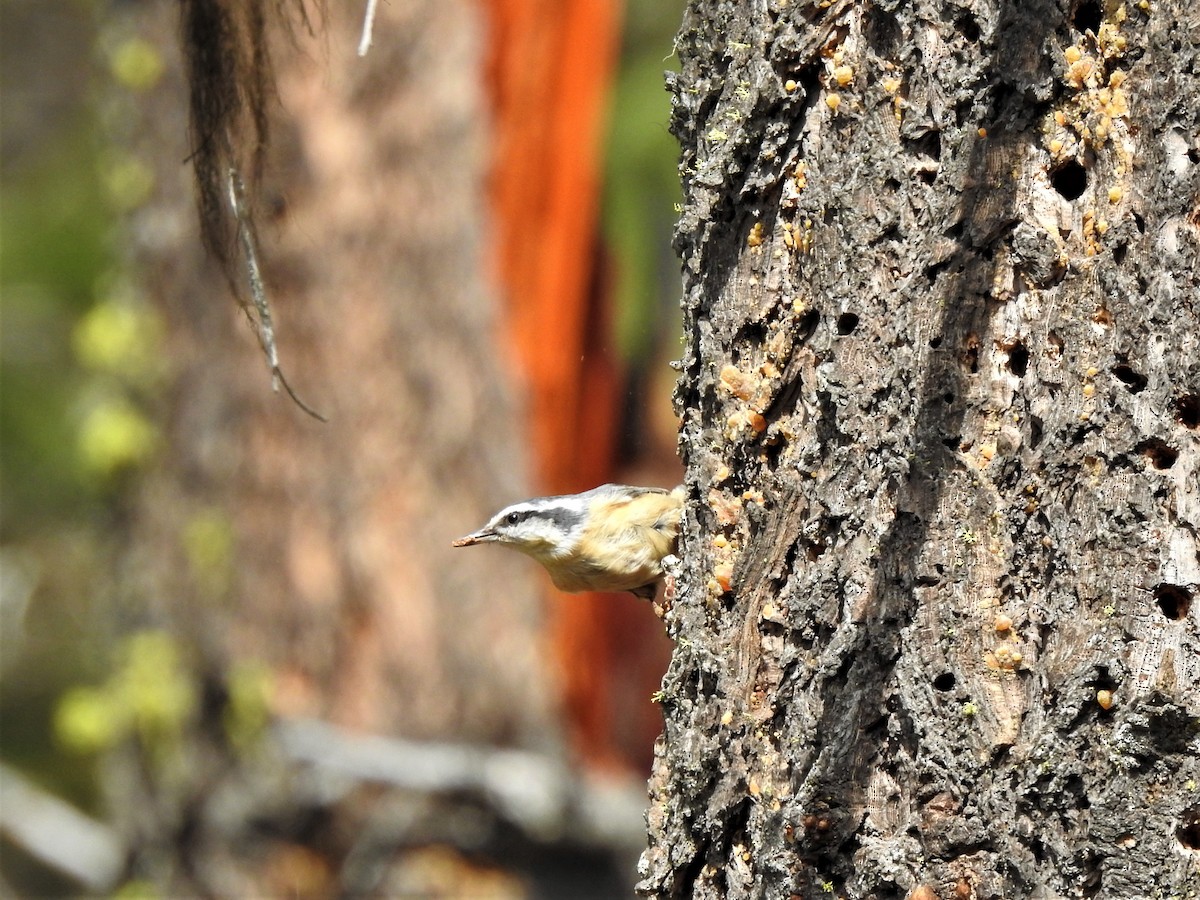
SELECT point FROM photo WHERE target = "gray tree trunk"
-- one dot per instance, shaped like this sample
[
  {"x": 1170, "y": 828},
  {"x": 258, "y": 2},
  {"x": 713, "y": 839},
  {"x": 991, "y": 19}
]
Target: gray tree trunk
[{"x": 940, "y": 397}]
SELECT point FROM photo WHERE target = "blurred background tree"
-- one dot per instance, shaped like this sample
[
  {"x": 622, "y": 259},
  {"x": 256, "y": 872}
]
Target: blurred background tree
[{"x": 232, "y": 635}]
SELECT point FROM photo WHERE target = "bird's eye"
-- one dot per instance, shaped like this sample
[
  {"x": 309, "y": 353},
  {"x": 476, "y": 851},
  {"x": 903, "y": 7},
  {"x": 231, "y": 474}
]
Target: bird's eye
[{"x": 512, "y": 518}]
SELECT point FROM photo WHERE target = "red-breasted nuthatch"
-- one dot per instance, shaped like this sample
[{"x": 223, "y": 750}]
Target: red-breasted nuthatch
[{"x": 611, "y": 538}]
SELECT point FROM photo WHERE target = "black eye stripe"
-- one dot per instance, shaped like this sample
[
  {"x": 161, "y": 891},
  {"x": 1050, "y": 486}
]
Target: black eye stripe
[{"x": 563, "y": 519}]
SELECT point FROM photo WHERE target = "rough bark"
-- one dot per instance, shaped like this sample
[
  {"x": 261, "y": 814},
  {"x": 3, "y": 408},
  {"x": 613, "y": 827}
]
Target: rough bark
[{"x": 935, "y": 621}]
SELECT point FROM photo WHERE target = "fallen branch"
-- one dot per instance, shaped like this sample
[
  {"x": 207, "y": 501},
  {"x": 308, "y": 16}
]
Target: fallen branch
[
  {"x": 536, "y": 792},
  {"x": 58, "y": 835}
]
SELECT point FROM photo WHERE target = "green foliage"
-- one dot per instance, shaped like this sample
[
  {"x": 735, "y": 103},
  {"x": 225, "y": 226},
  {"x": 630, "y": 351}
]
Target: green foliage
[
  {"x": 135, "y": 63},
  {"x": 54, "y": 245},
  {"x": 150, "y": 695},
  {"x": 88, "y": 720},
  {"x": 138, "y": 889},
  {"x": 113, "y": 436},
  {"x": 641, "y": 184},
  {"x": 77, "y": 344},
  {"x": 121, "y": 338}
]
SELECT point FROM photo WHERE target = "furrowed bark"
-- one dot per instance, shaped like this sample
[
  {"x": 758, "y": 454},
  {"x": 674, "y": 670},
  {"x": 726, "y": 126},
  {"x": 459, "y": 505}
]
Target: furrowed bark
[{"x": 935, "y": 624}]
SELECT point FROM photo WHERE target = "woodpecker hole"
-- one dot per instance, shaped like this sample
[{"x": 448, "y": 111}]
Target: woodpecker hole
[
  {"x": 846, "y": 323},
  {"x": 1188, "y": 832},
  {"x": 928, "y": 144},
  {"x": 1038, "y": 849},
  {"x": 1036, "y": 430},
  {"x": 1173, "y": 600},
  {"x": 1187, "y": 410},
  {"x": 1054, "y": 346},
  {"x": 945, "y": 681},
  {"x": 807, "y": 324},
  {"x": 1018, "y": 359},
  {"x": 1069, "y": 179},
  {"x": 968, "y": 28},
  {"x": 1161, "y": 454},
  {"x": 1088, "y": 16},
  {"x": 970, "y": 354},
  {"x": 1131, "y": 378}
]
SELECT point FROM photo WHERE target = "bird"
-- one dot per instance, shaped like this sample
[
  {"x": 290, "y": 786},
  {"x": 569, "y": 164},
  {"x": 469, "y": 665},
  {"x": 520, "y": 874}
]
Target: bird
[{"x": 611, "y": 538}]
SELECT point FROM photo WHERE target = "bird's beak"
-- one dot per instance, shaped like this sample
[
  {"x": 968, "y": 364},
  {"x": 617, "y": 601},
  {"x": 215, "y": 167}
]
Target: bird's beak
[{"x": 481, "y": 536}]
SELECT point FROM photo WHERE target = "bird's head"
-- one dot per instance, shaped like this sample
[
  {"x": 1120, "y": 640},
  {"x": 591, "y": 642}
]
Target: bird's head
[{"x": 543, "y": 528}]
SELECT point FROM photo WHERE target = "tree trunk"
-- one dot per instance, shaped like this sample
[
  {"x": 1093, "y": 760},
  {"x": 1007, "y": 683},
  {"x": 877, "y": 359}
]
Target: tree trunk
[
  {"x": 941, "y": 397},
  {"x": 320, "y": 554}
]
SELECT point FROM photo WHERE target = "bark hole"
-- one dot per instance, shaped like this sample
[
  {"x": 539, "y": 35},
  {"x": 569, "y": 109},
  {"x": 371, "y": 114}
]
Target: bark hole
[
  {"x": 1054, "y": 345},
  {"x": 1018, "y": 359},
  {"x": 970, "y": 357},
  {"x": 846, "y": 323},
  {"x": 932, "y": 272},
  {"x": 945, "y": 681},
  {"x": 1131, "y": 378},
  {"x": 1069, "y": 179},
  {"x": 1038, "y": 849},
  {"x": 807, "y": 324},
  {"x": 1189, "y": 832},
  {"x": 1174, "y": 600},
  {"x": 1104, "y": 680},
  {"x": 929, "y": 144},
  {"x": 1187, "y": 410},
  {"x": 1161, "y": 454},
  {"x": 1088, "y": 16},
  {"x": 968, "y": 28}
]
